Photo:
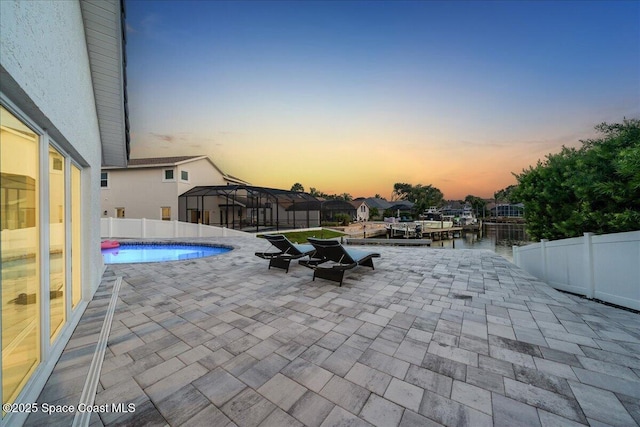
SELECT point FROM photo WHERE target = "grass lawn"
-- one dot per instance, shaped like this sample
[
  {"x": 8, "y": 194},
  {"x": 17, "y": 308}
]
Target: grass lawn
[{"x": 301, "y": 236}]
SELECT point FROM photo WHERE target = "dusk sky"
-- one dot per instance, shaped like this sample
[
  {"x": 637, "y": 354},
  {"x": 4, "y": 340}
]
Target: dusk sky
[{"x": 352, "y": 97}]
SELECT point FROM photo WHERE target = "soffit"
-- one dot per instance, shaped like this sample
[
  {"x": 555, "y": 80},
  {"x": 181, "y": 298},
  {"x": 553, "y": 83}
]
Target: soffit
[{"x": 105, "y": 36}]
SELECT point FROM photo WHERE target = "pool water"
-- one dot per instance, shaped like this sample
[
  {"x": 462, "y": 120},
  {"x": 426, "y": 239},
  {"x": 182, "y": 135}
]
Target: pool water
[{"x": 126, "y": 254}]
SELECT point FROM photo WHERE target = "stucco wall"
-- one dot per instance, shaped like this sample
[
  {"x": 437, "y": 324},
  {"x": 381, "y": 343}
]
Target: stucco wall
[
  {"x": 45, "y": 70},
  {"x": 142, "y": 191}
]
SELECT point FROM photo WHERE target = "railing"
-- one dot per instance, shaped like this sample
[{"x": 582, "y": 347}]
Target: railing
[
  {"x": 154, "y": 228},
  {"x": 604, "y": 267}
]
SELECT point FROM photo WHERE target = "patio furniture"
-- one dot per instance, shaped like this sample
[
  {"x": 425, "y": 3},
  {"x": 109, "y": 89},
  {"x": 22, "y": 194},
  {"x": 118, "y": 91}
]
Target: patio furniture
[
  {"x": 331, "y": 259},
  {"x": 288, "y": 251}
]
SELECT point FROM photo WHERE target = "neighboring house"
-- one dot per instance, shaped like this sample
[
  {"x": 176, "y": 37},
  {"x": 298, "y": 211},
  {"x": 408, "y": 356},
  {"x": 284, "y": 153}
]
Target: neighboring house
[
  {"x": 62, "y": 116},
  {"x": 398, "y": 208},
  {"x": 375, "y": 203},
  {"x": 362, "y": 209},
  {"x": 401, "y": 208},
  {"x": 508, "y": 210},
  {"x": 149, "y": 188},
  {"x": 453, "y": 208}
]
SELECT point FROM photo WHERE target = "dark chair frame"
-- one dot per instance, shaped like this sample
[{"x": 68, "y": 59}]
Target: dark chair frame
[
  {"x": 287, "y": 251},
  {"x": 341, "y": 258}
]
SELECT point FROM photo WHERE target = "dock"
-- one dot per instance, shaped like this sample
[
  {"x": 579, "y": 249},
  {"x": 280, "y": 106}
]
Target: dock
[
  {"x": 390, "y": 242},
  {"x": 407, "y": 230}
]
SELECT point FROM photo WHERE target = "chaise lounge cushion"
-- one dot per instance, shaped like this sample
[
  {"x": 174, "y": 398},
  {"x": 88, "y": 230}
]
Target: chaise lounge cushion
[{"x": 331, "y": 259}]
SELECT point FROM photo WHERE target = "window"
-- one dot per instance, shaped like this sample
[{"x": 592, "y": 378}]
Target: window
[
  {"x": 21, "y": 316},
  {"x": 184, "y": 175},
  {"x": 166, "y": 213},
  {"x": 168, "y": 175},
  {"x": 40, "y": 201},
  {"x": 57, "y": 246},
  {"x": 104, "y": 180}
]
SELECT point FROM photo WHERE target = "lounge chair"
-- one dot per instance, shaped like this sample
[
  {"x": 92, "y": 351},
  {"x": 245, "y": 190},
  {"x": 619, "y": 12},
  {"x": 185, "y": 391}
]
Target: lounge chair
[
  {"x": 331, "y": 259},
  {"x": 288, "y": 251}
]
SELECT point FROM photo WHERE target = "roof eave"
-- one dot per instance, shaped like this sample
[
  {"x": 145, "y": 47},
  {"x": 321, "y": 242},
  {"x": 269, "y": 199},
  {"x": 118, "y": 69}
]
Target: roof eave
[{"x": 101, "y": 32}]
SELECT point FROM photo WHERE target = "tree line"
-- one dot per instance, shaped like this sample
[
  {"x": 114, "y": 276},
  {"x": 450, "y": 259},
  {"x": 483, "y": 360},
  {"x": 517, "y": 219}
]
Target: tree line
[{"x": 593, "y": 188}]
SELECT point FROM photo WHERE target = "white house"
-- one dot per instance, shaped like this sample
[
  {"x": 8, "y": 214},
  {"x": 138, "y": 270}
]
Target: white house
[
  {"x": 149, "y": 188},
  {"x": 62, "y": 117},
  {"x": 362, "y": 209}
]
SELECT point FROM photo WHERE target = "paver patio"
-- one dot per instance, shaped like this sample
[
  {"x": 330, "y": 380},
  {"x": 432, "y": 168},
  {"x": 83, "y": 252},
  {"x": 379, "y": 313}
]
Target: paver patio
[{"x": 430, "y": 337}]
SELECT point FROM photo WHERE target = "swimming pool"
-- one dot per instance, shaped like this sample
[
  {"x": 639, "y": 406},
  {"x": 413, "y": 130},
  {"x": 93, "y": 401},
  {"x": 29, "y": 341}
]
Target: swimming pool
[{"x": 126, "y": 254}]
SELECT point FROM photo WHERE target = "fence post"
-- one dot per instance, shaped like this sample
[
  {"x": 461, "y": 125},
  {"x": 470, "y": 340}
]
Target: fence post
[
  {"x": 543, "y": 258},
  {"x": 110, "y": 227},
  {"x": 175, "y": 228},
  {"x": 199, "y": 230},
  {"x": 588, "y": 265},
  {"x": 224, "y": 231},
  {"x": 516, "y": 255},
  {"x": 143, "y": 226}
]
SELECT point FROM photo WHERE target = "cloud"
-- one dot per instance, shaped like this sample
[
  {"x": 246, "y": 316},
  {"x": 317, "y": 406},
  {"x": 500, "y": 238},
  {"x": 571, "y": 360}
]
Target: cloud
[{"x": 167, "y": 138}]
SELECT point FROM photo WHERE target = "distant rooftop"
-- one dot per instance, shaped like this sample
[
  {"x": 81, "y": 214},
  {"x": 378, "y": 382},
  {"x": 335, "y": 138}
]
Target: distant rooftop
[
  {"x": 157, "y": 161},
  {"x": 153, "y": 162}
]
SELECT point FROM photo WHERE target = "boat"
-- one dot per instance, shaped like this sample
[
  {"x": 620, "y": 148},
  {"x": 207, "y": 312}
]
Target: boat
[
  {"x": 433, "y": 224},
  {"x": 431, "y": 214},
  {"x": 467, "y": 217}
]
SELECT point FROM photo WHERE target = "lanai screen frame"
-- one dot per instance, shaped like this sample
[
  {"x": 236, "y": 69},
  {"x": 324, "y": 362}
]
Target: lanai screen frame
[{"x": 255, "y": 198}]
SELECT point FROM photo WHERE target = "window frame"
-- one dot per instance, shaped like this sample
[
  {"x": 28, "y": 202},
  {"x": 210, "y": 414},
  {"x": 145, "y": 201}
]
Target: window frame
[
  {"x": 107, "y": 180},
  {"x": 164, "y": 175},
  {"x": 162, "y": 217}
]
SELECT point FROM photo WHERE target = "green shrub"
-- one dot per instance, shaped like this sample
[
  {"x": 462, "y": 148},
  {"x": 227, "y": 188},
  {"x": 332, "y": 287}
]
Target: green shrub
[{"x": 343, "y": 219}]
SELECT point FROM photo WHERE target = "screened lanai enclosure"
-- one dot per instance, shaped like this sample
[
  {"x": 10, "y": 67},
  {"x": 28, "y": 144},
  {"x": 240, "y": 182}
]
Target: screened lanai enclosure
[{"x": 248, "y": 208}]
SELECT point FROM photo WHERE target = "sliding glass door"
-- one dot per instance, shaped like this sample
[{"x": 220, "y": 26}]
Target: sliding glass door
[
  {"x": 41, "y": 248},
  {"x": 19, "y": 192}
]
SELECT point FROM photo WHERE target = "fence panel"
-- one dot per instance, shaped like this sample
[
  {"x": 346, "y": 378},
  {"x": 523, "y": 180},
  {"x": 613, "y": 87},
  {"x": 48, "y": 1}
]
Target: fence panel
[
  {"x": 152, "y": 228},
  {"x": 530, "y": 259},
  {"x": 605, "y": 267},
  {"x": 616, "y": 268},
  {"x": 564, "y": 265},
  {"x": 158, "y": 228}
]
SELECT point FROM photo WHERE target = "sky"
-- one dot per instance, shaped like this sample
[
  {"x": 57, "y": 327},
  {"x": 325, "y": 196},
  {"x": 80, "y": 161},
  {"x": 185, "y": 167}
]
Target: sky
[{"x": 352, "y": 97}]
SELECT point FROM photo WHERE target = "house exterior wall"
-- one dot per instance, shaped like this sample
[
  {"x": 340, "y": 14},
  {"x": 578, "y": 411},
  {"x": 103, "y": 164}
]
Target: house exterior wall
[
  {"x": 201, "y": 172},
  {"x": 43, "y": 50},
  {"x": 362, "y": 212},
  {"x": 143, "y": 191},
  {"x": 46, "y": 83}
]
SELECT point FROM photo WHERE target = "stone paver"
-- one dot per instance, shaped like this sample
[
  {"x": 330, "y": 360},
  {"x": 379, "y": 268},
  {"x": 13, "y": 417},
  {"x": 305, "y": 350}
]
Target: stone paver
[
  {"x": 381, "y": 413},
  {"x": 430, "y": 337}
]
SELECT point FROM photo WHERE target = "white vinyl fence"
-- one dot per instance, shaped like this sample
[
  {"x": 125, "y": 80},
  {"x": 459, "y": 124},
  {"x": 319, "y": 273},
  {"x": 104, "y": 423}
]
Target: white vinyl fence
[
  {"x": 154, "y": 228},
  {"x": 604, "y": 267}
]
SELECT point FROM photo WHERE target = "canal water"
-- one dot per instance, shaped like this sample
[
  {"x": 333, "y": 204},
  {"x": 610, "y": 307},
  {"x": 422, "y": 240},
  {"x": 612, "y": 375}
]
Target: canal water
[{"x": 499, "y": 238}]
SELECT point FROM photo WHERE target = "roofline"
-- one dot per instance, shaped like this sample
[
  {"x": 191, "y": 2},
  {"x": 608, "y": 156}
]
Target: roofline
[
  {"x": 225, "y": 176},
  {"x": 164, "y": 165}
]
